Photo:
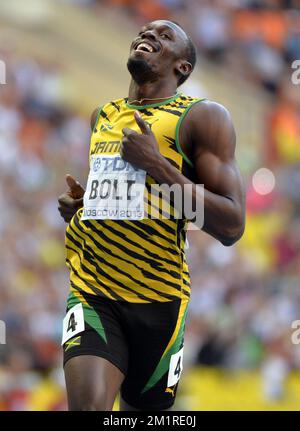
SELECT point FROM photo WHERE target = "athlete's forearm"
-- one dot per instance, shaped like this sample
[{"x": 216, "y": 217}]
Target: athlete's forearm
[{"x": 222, "y": 218}]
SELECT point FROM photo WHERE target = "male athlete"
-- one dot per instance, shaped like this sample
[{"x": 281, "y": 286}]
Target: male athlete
[{"x": 129, "y": 281}]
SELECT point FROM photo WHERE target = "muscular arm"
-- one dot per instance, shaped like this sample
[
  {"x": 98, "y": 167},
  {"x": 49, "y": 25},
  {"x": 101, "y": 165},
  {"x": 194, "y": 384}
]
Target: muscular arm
[{"x": 208, "y": 127}]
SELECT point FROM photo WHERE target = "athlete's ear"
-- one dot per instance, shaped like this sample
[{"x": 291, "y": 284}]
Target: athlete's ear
[{"x": 183, "y": 67}]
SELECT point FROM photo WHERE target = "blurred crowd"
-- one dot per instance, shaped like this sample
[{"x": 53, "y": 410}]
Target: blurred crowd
[
  {"x": 244, "y": 298},
  {"x": 38, "y": 139}
]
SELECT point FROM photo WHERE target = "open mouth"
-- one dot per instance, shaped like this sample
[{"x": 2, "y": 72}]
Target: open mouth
[{"x": 145, "y": 47}]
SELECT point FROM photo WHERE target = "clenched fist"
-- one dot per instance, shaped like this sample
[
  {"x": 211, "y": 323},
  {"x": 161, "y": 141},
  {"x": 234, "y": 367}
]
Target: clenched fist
[{"x": 72, "y": 200}]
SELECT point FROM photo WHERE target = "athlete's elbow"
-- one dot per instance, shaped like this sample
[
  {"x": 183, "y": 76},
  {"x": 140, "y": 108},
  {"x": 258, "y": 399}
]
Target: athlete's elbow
[
  {"x": 229, "y": 241},
  {"x": 232, "y": 235}
]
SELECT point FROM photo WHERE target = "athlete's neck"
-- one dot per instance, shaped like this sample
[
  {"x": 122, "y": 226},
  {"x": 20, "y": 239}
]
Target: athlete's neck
[{"x": 150, "y": 91}]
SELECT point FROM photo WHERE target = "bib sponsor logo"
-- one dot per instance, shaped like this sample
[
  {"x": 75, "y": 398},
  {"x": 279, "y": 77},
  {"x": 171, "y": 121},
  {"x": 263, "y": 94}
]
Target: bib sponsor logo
[{"x": 96, "y": 165}]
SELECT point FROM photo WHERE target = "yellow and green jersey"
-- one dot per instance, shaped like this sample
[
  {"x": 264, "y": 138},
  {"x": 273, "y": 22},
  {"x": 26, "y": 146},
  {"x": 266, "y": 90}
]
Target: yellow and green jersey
[{"x": 130, "y": 258}]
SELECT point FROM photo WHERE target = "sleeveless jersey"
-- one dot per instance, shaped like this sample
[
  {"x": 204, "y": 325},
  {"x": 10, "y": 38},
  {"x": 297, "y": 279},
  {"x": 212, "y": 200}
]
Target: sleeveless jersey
[{"x": 137, "y": 260}]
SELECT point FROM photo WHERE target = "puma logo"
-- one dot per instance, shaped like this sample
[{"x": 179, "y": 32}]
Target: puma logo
[
  {"x": 106, "y": 127},
  {"x": 170, "y": 391}
]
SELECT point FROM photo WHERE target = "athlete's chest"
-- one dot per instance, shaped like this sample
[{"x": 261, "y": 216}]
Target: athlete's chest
[{"x": 108, "y": 134}]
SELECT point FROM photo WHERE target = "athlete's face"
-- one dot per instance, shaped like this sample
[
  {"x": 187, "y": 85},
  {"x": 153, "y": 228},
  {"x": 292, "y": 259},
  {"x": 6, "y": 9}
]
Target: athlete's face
[{"x": 158, "y": 51}]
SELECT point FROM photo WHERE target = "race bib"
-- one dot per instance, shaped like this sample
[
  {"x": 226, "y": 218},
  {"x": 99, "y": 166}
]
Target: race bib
[
  {"x": 115, "y": 190},
  {"x": 175, "y": 368},
  {"x": 73, "y": 323}
]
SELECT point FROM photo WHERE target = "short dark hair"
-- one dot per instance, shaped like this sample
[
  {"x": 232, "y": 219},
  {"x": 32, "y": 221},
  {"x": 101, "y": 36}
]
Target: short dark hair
[{"x": 191, "y": 54}]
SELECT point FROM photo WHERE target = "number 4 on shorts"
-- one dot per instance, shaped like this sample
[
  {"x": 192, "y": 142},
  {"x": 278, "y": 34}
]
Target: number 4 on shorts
[
  {"x": 175, "y": 368},
  {"x": 73, "y": 323}
]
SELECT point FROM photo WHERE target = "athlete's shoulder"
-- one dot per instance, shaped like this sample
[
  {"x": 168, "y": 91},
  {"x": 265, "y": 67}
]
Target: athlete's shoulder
[
  {"x": 208, "y": 108},
  {"x": 205, "y": 112},
  {"x": 208, "y": 123}
]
